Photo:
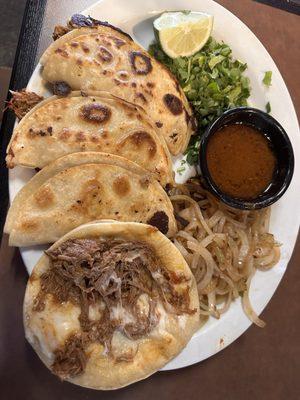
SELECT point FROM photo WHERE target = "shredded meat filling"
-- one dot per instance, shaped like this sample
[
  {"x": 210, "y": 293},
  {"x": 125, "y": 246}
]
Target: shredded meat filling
[
  {"x": 70, "y": 360},
  {"x": 22, "y": 102},
  {"x": 115, "y": 274}
]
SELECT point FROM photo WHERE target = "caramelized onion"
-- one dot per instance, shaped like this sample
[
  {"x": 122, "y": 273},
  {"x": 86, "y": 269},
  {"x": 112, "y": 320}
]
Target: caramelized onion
[{"x": 223, "y": 247}]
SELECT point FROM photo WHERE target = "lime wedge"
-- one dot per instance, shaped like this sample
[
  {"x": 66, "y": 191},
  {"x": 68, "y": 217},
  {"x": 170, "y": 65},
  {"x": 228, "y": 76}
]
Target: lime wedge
[{"x": 182, "y": 34}]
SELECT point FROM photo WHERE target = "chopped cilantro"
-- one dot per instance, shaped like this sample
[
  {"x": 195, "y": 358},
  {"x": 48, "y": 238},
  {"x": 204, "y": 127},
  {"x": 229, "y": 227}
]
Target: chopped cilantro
[
  {"x": 268, "y": 78},
  {"x": 268, "y": 107},
  {"x": 212, "y": 81},
  {"x": 180, "y": 170}
]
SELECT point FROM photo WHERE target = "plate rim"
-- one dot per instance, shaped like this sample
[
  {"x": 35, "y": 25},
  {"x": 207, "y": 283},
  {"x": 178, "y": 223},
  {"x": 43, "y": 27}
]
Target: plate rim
[{"x": 91, "y": 9}]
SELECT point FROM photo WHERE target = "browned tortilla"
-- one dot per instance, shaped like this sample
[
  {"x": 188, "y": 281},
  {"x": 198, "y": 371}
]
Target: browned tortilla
[
  {"x": 120, "y": 333},
  {"x": 90, "y": 121},
  {"x": 102, "y": 58},
  {"x": 82, "y": 187}
]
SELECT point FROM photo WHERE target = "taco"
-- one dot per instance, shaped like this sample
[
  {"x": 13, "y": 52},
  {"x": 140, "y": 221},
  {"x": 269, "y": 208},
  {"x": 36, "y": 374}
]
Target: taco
[
  {"x": 91, "y": 121},
  {"x": 110, "y": 304},
  {"x": 100, "y": 57},
  {"x": 82, "y": 187}
]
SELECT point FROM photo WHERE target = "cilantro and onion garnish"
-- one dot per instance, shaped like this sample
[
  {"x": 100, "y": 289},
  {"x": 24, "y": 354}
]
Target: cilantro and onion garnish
[
  {"x": 213, "y": 82},
  {"x": 267, "y": 81},
  {"x": 267, "y": 78},
  {"x": 211, "y": 78}
]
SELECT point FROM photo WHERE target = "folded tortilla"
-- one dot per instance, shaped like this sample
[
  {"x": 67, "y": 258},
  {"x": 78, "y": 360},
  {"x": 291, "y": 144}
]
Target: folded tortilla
[
  {"x": 110, "y": 304},
  {"x": 82, "y": 187},
  {"x": 103, "y": 58},
  {"x": 91, "y": 121}
]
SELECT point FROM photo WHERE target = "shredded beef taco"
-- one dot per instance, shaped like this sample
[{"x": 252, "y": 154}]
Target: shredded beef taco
[
  {"x": 90, "y": 121},
  {"x": 109, "y": 304},
  {"x": 82, "y": 187},
  {"x": 100, "y": 57}
]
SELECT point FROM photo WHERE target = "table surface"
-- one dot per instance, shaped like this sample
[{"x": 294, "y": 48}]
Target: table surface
[{"x": 261, "y": 364}]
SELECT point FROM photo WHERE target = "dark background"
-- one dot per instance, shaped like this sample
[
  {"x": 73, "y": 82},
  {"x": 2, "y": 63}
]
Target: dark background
[{"x": 11, "y": 12}]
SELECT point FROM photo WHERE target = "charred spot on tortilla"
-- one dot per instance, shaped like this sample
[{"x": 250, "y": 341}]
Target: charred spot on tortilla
[
  {"x": 173, "y": 103},
  {"x": 106, "y": 41},
  {"x": 80, "y": 137},
  {"x": 160, "y": 220},
  {"x": 44, "y": 197},
  {"x": 95, "y": 113},
  {"x": 65, "y": 134},
  {"x": 174, "y": 137},
  {"x": 104, "y": 54},
  {"x": 141, "y": 137},
  {"x": 121, "y": 185},
  {"x": 144, "y": 182},
  {"x": 40, "y": 132},
  {"x": 85, "y": 48},
  {"x": 94, "y": 138},
  {"x": 61, "y": 88},
  {"x": 123, "y": 76},
  {"x": 62, "y": 52},
  {"x": 29, "y": 225},
  {"x": 118, "y": 42},
  {"x": 140, "y": 95},
  {"x": 117, "y": 82},
  {"x": 159, "y": 124},
  {"x": 141, "y": 64}
]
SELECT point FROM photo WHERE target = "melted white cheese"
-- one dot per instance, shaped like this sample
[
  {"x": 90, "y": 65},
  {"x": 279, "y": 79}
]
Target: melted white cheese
[
  {"x": 162, "y": 324},
  {"x": 53, "y": 325},
  {"x": 123, "y": 346},
  {"x": 165, "y": 321},
  {"x": 143, "y": 303},
  {"x": 182, "y": 320},
  {"x": 157, "y": 275},
  {"x": 119, "y": 313},
  {"x": 95, "y": 311}
]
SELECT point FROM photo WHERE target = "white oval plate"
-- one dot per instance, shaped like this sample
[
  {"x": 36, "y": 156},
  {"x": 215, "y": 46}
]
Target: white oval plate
[{"x": 135, "y": 17}]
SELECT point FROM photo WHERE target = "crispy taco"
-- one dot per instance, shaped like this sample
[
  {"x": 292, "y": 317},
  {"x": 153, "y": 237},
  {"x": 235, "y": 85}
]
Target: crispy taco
[
  {"x": 110, "y": 304},
  {"x": 82, "y": 187},
  {"x": 100, "y": 57},
  {"x": 91, "y": 121}
]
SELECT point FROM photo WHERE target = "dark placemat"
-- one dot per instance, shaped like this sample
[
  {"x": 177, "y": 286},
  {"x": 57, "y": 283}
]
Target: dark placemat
[
  {"x": 23, "y": 66},
  {"x": 292, "y": 6}
]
